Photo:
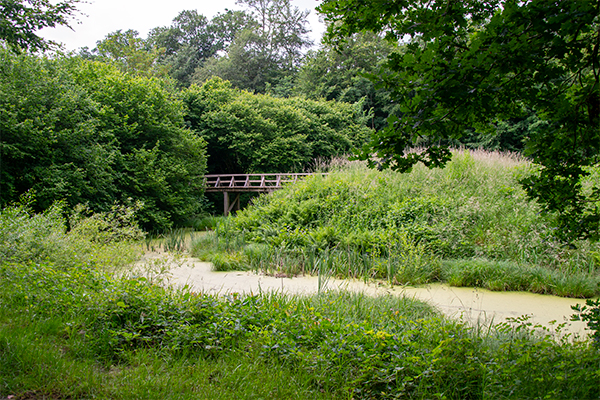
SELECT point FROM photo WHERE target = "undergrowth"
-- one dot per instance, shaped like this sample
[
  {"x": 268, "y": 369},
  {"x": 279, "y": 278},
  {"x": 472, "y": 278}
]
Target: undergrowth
[
  {"x": 72, "y": 328},
  {"x": 469, "y": 224}
]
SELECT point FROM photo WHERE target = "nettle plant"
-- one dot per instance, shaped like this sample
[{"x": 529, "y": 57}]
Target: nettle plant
[{"x": 590, "y": 313}]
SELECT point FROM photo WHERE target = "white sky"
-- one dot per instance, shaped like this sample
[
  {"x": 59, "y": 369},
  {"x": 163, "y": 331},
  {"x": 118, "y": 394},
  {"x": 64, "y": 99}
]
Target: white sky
[{"x": 104, "y": 16}]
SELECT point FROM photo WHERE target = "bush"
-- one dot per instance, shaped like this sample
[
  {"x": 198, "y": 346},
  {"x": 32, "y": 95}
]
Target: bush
[
  {"x": 472, "y": 215},
  {"x": 260, "y": 133},
  {"x": 85, "y": 133},
  {"x": 590, "y": 313},
  {"x": 101, "y": 240}
]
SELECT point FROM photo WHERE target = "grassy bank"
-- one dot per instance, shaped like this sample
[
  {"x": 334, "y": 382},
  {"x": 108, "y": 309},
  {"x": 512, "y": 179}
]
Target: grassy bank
[
  {"x": 74, "y": 323},
  {"x": 469, "y": 224}
]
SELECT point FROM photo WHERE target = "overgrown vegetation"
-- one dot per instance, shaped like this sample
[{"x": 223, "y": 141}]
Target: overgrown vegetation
[
  {"x": 71, "y": 329},
  {"x": 469, "y": 224},
  {"x": 248, "y": 132},
  {"x": 86, "y": 133},
  {"x": 464, "y": 66},
  {"x": 106, "y": 143}
]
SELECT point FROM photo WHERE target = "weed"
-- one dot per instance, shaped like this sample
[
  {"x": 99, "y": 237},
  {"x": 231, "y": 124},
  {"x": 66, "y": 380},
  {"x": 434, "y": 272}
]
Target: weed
[
  {"x": 590, "y": 313},
  {"x": 469, "y": 224}
]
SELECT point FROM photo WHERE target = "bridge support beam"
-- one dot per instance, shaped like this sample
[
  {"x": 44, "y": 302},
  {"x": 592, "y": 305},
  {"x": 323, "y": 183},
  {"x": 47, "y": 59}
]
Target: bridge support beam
[{"x": 227, "y": 206}]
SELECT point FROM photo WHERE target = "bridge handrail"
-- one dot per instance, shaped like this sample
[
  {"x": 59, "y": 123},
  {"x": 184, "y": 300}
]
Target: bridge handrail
[{"x": 259, "y": 181}]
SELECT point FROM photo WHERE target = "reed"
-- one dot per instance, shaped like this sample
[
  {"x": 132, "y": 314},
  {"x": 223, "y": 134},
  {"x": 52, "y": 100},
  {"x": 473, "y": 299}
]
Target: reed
[{"x": 414, "y": 228}]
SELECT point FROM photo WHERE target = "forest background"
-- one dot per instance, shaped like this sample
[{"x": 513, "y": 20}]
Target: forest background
[{"x": 138, "y": 120}]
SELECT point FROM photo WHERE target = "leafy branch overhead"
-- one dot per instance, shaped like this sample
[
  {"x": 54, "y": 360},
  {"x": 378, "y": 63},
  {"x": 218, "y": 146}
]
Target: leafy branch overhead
[
  {"x": 471, "y": 64},
  {"x": 21, "y": 19}
]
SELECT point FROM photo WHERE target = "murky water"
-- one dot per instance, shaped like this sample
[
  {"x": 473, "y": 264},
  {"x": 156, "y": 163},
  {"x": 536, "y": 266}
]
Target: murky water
[{"x": 473, "y": 305}]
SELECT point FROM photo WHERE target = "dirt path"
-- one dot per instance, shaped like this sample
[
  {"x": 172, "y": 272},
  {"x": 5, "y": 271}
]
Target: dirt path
[{"x": 473, "y": 305}]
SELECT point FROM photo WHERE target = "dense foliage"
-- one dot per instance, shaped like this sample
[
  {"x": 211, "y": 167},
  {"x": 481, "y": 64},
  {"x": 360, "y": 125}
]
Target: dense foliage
[
  {"x": 187, "y": 44},
  {"x": 86, "y": 133},
  {"x": 70, "y": 329},
  {"x": 129, "y": 53},
  {"x": 469, "y": 224},
  {"x": 259, "y": 49},
  {"x": 266, "y": 50},
  {"x": 340, "y": 74},
  {"x": 260, "y": 133},
  {"x": 21, "y": 19},
  {"x": 473, "y": 62}
]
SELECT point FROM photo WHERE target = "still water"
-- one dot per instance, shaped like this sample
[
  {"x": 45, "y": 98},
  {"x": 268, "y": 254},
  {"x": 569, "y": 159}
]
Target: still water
[{"x": 477, "y": 306}]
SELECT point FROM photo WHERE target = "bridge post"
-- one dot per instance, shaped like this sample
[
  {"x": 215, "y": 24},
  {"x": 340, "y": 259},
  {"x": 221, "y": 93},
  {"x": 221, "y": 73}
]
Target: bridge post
[{"x": 227, "y": 206}]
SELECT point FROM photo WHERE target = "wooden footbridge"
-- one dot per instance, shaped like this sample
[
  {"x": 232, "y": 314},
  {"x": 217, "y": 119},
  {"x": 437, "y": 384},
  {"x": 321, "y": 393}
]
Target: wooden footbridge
[{"x": 243, "y": 183}]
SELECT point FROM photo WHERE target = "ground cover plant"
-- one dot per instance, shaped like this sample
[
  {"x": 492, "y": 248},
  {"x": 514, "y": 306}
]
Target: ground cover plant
[
  {"x": 75, "y": 324},
  {"x": 469, "y": 224}
]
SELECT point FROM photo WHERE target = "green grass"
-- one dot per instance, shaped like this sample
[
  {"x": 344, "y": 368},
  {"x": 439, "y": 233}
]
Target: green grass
[
  {"x": 410, "y": 229},
  {"x": 75, "y": 324},
  {"x": 87, "y": 334},
  {"x": 38, "y": 364}
]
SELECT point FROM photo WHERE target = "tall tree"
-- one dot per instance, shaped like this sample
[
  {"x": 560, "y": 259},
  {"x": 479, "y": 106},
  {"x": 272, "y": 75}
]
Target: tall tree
[
  {"x": 340, "y": 73},
  {"x": 226, "y": 26},
  {"x": 267, "y": 51},
  {"x": 469, "y": 63},
  {"x": 21, "y": 19},
  {"x": 128, "y": 52},
  {"x": 282, "y": 31},
  {"x": 187, "y": 43}
]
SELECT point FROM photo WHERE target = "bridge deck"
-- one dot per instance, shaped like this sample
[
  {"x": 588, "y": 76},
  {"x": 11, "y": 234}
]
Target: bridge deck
[
  {"x": 261, "y": 183},
  {"x": 239, "y": 183}
]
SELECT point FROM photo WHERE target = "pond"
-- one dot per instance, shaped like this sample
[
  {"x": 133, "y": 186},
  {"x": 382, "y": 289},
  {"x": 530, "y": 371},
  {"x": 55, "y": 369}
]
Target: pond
[{"x": 476, "y": 306}]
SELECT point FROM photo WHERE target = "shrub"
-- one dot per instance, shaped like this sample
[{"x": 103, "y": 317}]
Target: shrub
[{"x": 472, "y": 215}]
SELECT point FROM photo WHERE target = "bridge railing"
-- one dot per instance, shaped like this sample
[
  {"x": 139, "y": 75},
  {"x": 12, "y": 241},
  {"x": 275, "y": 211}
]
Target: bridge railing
[{"x": 250, "y": 182}]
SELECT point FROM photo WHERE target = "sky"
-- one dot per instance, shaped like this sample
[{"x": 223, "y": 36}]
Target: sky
[{"x": 100, "y": 17}]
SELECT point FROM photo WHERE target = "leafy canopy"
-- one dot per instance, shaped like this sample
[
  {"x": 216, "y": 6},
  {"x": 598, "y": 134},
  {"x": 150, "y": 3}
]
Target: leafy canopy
[
  {"x": 266, "y": 53},
  {"x": 248, "y": 132},
  {"x": 128, "y": 52},
  {"x": 332, "y": 73},
  {"x": 86, "y": 133},
  {"x": 20, "y": 19},
  {"x": 470, "y": 64}
]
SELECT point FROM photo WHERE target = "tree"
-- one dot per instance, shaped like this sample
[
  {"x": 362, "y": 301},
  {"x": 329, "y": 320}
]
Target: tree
[
  {"x": 244, "y": 65},
  {"x": 226, "y": 26},
  {"x": 84, "y": 132},
  {"x": 21, "y": 19},
  {"x": 128, "y": 52},
  {"x": 471, "y": 63},
  {"x": 266, "y": 51},
  {"x": 248, "y": 132},
  {"x": 340, "y": 73},
  {"x": 188, "y": 42},
  {"x": 281, "y": 32}
]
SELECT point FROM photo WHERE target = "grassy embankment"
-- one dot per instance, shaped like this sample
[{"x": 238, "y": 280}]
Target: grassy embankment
[
  {"x": 75, "y": 324},
  {"x": 469, "y": 224}
]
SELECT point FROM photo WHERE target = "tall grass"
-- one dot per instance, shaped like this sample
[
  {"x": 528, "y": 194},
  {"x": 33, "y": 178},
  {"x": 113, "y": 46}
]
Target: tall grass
[
  {"x": 92, "y": 240},
  {"x": 72, "y": 328},
  {"x": 409, "y": 228}
]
